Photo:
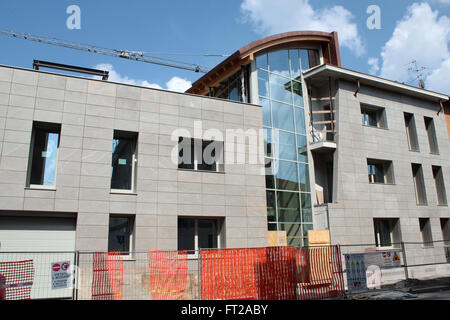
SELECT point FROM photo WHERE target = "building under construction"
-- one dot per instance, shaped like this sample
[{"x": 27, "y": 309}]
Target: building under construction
[{"x": 88, "y": 165}]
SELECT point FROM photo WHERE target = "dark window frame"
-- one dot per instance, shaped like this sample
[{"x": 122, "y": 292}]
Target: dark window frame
[
  {"x": 133, "y": 137},
  {"x": 33, "y": 168},
  {"x": 385, "y": 167},
  {"x": 128, "y": 239},
  {"x": 218, "y": 233},
  {"x": 379, "y": 114},
  {"x": 197, "y": 149}
]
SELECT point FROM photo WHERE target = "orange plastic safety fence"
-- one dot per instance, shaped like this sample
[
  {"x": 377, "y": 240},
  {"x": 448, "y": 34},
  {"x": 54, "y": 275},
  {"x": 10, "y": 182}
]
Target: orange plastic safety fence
[
  {"x": 16, "y": 280},
  {"x": 319, "y": 273},
  {"x": 168, "y": 272},
  {"x": 249, "y": 273},
  {"x": 107, "y": 281}
]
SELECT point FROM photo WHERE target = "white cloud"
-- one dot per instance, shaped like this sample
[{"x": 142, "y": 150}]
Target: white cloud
[
  {"x": 439, "y": 79},
  {"x": 421, "y": 35},
  {"x": 271, "y": 17},
  {"x": 374, "y": 65},
  {"x": 178, "y": 84},
  {"x": 174, "y": 84}
]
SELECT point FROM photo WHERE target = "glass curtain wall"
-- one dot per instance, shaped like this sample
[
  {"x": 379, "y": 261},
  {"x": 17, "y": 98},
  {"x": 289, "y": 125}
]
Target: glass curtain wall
[{"x": 287, "y": 172}]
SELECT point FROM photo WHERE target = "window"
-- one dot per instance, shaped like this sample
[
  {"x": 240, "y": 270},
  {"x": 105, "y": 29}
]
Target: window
[
  {"x": 419, "y": 183},
  {"x": 380, "y": 171},
  {"x": 445, "y": 228},
  {"x": 121, "y": 231},
  {"x": 425, "y": 231},
  {"x": 123, "y": 162},
  {"x": 411, "y": 132},
  {"x": 200, "y": 155},
  {"x": 387, "y": 232},
  {"x": 199, "y": 233},
  {"x": 43, "y": 155},
  {"x": 373, "y": 116},
  {"x": 439, "y": 183},
  {"x": 431, "y": 132}
]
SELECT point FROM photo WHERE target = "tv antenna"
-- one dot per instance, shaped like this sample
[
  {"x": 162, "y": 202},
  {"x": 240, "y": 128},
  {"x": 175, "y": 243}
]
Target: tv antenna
[{"x": 419, "y": 72}]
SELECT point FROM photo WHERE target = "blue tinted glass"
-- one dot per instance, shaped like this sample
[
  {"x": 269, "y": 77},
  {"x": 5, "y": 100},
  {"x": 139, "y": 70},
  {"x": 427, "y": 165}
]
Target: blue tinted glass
[
  {"x": 288, "y": 208},
  {"x": 50, "y": 159},
  {"x": 279, "y": 62},
  {"x": 263, "y": 83},
  {"x": 300, "y": 120},
  {"x": 271, "y": 207},
  {"x": 268, "y": 147},
  {"x": 295, "y": 64},
  {"x": 304, "y": 177},
  {"x": 302, "y": 149},
  {"x": 297, "y": 91},
  {"x": 287, "y": 175},
  {"x": 286, "y": 146},
  {"x": 305, "y": 59},
  {"x": 269, "y": 168},
  {"x": 280, "y": 89},
  {"x": 261, "y": 61},
  {"x": 283, "y": 116},
  {"x": 265, "y": 103},
  {"x": 305, "y": 200}
]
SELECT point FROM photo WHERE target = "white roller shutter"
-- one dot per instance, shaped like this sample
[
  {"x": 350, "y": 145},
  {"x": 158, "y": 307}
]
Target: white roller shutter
[
  {"x": 37, "y": 233},
  {"x": 46, "y": 241}
]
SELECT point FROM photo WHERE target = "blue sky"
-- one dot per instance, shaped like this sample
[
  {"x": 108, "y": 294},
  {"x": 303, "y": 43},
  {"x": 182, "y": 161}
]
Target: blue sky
[{"x": 410, "y": 30}]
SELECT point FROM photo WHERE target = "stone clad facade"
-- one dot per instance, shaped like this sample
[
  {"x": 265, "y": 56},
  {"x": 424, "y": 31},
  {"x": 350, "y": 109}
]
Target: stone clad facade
[{"x": 88, "y": 111}]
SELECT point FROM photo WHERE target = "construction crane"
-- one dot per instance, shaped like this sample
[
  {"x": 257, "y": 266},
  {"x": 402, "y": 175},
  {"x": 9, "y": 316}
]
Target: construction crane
[{"x": 125, "y": 54}]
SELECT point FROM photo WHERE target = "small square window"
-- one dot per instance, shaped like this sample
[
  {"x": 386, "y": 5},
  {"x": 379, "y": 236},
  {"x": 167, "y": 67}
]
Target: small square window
[
  {"x": 43, "y": 155},
  {"x": 387, "y": 232},
  {"x": 200, "y": 155},
  {"x": 380, "y": 171},
  {"x": 373, "y": 116},
  {"x": 199, "y": 233},
  {"x": 121, "y": 231}
]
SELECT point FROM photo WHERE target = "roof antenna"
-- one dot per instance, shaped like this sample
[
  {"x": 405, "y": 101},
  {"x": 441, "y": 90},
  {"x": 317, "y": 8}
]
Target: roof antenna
[{"x": 419, "y": 72}]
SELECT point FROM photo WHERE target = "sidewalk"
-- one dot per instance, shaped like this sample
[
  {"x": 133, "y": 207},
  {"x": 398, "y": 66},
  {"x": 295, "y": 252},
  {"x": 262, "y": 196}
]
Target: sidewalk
[{"x": 405, "y": 289}]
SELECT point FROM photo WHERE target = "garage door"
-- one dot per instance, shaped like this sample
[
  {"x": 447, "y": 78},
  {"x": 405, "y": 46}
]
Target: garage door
[
  {"x": 37, "y": 234},
  {"x": 46, "y": 241}
]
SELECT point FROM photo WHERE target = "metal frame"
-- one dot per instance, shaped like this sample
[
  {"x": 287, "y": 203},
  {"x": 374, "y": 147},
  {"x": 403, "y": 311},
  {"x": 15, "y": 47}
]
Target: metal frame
[{"x": 53, "y": 65}]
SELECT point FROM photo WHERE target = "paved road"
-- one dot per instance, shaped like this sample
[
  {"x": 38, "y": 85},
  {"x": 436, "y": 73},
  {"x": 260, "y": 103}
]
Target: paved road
[{"x": 439, "y": 295}]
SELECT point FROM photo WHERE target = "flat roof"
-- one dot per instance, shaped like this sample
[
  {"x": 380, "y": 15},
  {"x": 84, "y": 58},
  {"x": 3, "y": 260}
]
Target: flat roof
[
  {"x": 123, "y": 84},
  {"x": 325, "y": 71}
]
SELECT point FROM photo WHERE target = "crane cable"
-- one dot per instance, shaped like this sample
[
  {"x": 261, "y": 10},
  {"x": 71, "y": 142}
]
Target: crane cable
[{"x": 126, "y": 54}]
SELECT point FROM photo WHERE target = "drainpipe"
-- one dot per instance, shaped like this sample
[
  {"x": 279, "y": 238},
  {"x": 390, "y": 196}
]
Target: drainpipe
[{"x": 357, "y": 90}]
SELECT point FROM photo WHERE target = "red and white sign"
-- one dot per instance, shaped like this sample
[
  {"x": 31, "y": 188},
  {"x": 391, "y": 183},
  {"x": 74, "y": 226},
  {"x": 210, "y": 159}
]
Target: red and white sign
[
  {"x": 61, "y": 275},
  {"x": 56, "y": 267}
]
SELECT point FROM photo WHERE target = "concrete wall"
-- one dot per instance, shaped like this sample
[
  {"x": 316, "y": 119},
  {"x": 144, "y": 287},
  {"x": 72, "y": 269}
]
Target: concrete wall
[
  {"x": 358, "y": 202},
  {"x": 89, "y": 111}
]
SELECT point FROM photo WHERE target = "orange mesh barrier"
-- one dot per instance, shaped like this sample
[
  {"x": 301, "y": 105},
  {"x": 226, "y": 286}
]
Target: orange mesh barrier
[
  {"x": 107, "y": 281},
  {"x": 319, "y": 273},
  {"x": 16, "y": 280},
  {"x": 249, "y": 273},
  {"x": 168, "y": 274}
]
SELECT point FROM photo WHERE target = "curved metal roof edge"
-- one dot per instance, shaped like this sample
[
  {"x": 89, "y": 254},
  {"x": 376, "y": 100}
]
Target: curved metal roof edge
[{"x": 327, "y": 37}]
